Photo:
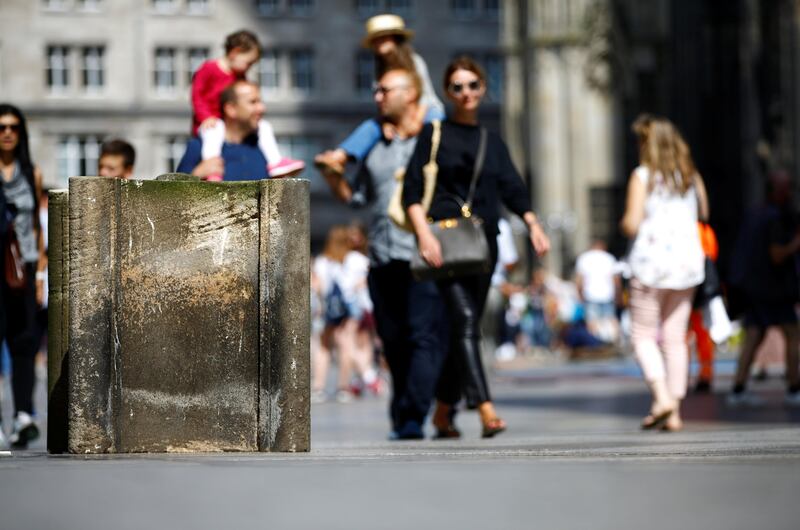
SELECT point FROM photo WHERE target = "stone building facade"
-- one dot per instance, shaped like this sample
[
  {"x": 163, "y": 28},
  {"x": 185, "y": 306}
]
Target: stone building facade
[
  {"x": 579, "y": 71},
  {"x": 87, "y": 70}
]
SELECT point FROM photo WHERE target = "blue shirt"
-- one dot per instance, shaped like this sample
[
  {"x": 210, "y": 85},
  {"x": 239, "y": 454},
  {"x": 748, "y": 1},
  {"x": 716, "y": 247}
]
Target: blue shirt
[{"x": 243, "y": 161}]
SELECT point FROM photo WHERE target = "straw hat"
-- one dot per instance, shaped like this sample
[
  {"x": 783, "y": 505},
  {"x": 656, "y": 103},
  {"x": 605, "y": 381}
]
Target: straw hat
[{"x": 381, "y": 25}]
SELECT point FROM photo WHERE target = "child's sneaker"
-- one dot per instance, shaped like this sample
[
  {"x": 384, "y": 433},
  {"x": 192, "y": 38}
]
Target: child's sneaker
[
  {"x": 25, "y": 430},
  {"x": 286, "y": 167}
]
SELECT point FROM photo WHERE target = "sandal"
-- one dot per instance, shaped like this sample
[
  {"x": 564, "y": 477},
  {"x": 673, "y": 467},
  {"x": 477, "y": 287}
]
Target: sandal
[
  {"x": 493, "y": 427},
  {"x": 656, "y": 418}
]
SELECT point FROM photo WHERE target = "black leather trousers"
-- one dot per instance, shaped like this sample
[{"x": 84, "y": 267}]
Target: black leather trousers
[{"x": 463, "y": 373}]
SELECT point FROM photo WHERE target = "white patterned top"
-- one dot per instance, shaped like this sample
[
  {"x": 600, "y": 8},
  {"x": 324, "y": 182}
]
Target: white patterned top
[{"x": 666, "y": 253}]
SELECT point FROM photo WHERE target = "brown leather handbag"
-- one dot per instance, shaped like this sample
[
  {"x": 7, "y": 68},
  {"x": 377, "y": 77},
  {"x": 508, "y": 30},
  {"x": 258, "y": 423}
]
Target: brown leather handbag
[{"x": 15, "y": 271}]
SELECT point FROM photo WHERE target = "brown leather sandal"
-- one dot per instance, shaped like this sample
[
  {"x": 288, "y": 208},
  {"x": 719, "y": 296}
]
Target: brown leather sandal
[{"x": 493, "y": 427}]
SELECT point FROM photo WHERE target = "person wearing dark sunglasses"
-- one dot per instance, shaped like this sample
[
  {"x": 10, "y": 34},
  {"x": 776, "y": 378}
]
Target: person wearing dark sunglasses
[
  {"x": 21, "y": 189},
  {"x": 465, "y": 296}
]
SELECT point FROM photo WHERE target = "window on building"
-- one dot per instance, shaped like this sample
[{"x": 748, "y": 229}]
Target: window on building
[
  {"x": 365, "y": 72},
  {"x": 495, "y": 76},
  {"x": 56, "y": 5},
  {"x": 303, "y": 148},
  {"x": 197, "y": 7},
  {"x": 268, "y": 7},
  {"x": 301, "y": 8},
  {"x": 399, "y": 7},
  {"x": 368, "y": 8},
  {"x": 269, "y": 71},
  {"x": 92, "y": 68},
  {"x": 77, "y": 156},
  {"x": 164, "y": 74},
  {"x": 464, "y": 8},
  {"x": 90, "y": 5},
  {"x": 196, "y": 58},
  {"x": 165, "y": 6},
  {"x": 302, "y": 65},
  {"x": 57, "y": 68},
  {"x": 175, "y": 146},
  {"x": 492, "y": 8}
]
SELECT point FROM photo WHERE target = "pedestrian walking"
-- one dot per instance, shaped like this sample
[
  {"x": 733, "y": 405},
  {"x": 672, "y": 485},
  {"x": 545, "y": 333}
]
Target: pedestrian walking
[
  {"x": 408, "y": 313},
  {"x": 242, "y": 50},
  {"x": 24, "y": 262},
  {"x": 765, "y": 269},
  {"x": 498, "y": 181},
  {"x": 389, "y": 39},
  {"x": 665, "y": 197},
  {"x": 599, "y": 285}
]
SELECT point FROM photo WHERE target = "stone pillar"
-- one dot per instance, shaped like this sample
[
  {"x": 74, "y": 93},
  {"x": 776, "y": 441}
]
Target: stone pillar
[
  {"x": 58, "y": 320},
  {"x": 189, "y": 316}
]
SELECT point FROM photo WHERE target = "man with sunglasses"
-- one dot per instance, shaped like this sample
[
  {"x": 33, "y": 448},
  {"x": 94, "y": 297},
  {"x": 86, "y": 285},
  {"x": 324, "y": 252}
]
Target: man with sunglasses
[{"x": 408, "y": 314}]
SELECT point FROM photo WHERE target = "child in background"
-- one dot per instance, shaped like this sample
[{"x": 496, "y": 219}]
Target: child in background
[
  {"x": 242, "y": 50},
  {"x": 388, "y": 39}
]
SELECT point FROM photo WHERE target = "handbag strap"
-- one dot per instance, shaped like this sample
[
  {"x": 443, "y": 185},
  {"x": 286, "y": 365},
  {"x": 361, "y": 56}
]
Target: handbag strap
[
  {"x": 466, "y": 208},
  {"x": 435, "y": 138}
]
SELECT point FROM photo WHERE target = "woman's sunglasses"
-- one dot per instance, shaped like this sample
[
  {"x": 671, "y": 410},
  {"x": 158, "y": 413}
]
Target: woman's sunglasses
[
  {"x": 13, "y": 127},
  {"x": 457, "y": 88}
]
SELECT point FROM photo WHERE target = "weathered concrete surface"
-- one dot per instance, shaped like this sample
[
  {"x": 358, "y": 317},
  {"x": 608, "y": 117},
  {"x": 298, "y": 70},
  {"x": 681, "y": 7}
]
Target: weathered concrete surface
[
  {"x": 58, "y": 318},
  {"x": 189, "y": 316},
  {"x": 186, "y": 316},
  {"x": 284, "y": 405},
  {"x": 93, "y": 204}
]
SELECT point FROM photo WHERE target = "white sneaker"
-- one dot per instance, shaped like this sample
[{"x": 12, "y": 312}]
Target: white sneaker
[
  {"x": 344, "y": 396},
  {"x": 319, "y": 396},
  {"x": 744, "y": 399},
  {"x": 792, "y": 399},
  {"x": 3, "y": 441},
  {"x": 25, "y": 430}
]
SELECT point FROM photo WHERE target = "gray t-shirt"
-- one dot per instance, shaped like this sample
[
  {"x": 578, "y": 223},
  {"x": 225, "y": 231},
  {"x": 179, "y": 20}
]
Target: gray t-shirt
[{"x": 387, "y": 241}]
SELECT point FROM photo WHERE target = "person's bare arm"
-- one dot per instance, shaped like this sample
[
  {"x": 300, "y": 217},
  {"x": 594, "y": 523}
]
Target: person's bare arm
[
  {"x": 210, "y": 166},
  {"x": 429, "y": 247},
  {"x": 338, "y": 185},
  {"x": 702, "y": 199},
  {"x": 634, "y": 206},
  {"x": 780, "y": 253},
  {"x": 41, "y": 264}
]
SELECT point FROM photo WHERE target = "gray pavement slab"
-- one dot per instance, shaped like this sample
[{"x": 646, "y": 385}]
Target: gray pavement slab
[{"x": 573, "y": 457}]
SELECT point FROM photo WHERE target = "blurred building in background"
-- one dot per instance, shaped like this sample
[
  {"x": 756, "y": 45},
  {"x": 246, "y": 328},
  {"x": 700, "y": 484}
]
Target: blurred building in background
[
  {"x": 568, "y": 75},
  {"x": 579, "y": 71},
  {"x": 87, "y": 70}
]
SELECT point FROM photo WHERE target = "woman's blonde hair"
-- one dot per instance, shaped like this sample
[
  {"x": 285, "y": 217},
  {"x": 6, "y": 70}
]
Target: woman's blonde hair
[
  {"x": 663, "y": 150},
  {"x": 337, "y": 244}
]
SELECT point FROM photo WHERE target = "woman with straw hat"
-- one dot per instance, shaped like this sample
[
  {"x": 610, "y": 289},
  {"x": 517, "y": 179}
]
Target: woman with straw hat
[{"x": 389, "y": 39}]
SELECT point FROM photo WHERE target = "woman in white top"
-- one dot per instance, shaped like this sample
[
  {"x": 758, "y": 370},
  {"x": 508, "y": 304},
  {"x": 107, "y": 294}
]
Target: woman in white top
[{"x": 666, "y": 195}]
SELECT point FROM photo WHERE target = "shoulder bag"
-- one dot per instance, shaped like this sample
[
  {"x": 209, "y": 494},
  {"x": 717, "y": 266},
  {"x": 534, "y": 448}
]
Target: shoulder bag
[
  {"x": 395, "y": 210},
  {"x": 15, "y": 271},
  {"x": 465, "y": 250}
]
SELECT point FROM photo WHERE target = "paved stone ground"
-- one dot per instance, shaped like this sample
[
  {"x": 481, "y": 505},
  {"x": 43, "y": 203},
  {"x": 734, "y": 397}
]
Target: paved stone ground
[{"x": 573, "y": 458}]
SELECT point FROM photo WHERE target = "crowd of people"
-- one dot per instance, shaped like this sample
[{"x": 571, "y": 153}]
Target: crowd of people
[{"x": 417, "y": 335}]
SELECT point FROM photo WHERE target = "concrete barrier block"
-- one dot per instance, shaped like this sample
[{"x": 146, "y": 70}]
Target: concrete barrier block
[{"x": 188, "y": 316}]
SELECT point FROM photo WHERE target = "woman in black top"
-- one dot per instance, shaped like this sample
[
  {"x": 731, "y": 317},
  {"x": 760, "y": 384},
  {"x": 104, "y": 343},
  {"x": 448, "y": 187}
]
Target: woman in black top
[
  {"x": 19, "y": 197},
  {"x": 499, "y": 181}
]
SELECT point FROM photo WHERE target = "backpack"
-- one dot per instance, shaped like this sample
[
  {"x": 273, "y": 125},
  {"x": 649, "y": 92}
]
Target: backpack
[{"x": 335, "y": 306}]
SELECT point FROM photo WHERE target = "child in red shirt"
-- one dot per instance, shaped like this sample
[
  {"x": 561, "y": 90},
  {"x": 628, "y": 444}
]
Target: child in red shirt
[{"x": 242, "y": 50}]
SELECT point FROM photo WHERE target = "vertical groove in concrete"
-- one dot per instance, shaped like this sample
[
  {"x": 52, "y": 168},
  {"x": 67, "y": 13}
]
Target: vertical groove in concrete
[
  {"x": 58, "y": 320},
  {"x": 284, "y": 404},
  {"x": 91, "y": 227}
]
